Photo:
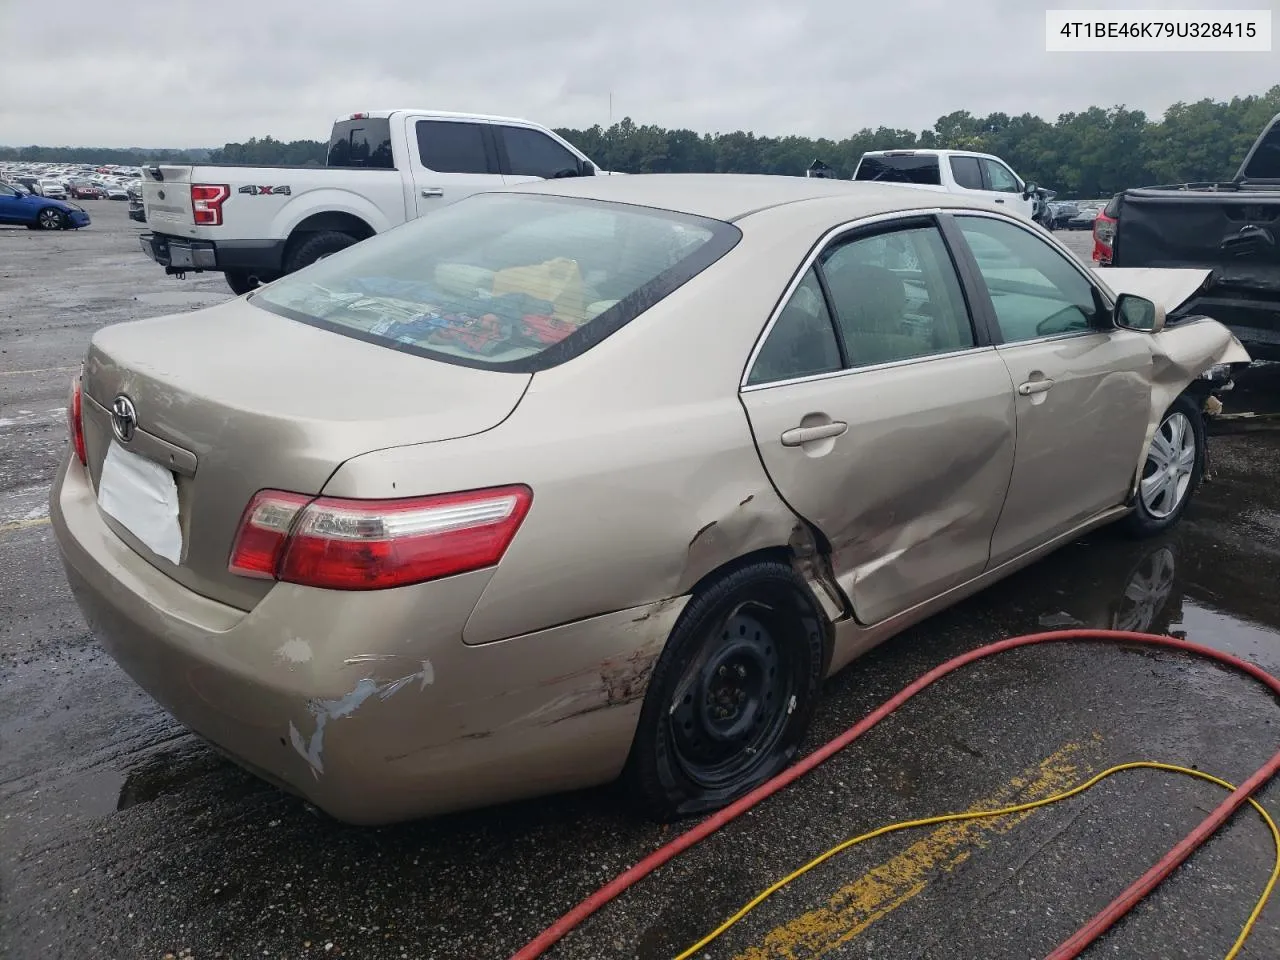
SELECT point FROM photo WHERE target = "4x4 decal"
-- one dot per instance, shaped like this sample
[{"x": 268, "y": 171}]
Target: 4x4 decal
[{"x": 264, "y": 191}]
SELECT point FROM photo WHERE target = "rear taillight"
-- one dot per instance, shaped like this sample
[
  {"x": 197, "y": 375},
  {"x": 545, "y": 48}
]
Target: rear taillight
[
  {"x": 75, "y": 422},
  {"x": 1104, "y": 230},
  {"x": 344, "y": 544},
  {"x": 206, "y": 202}
]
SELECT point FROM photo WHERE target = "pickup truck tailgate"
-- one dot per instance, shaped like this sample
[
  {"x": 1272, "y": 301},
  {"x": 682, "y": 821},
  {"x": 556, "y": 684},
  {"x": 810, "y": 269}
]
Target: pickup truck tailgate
[{"x": 166, "y": 198}]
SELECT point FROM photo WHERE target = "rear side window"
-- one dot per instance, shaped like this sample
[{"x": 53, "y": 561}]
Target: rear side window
[
  {"x": 534, "y": 154},
  {"x": 1113, "y": 207},
  {"x": 966, "y": 172},
  {"x": 503, "y": 281},
  {"x": 446, "y": 146},
  {"x": 361, "y": 143},
  {"x": 900, "y": 168}
]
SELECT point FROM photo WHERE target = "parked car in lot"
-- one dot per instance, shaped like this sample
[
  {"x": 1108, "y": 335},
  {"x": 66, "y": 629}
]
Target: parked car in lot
[
  {"x": 84, "y": 190},
  {"x": 383, "y": 168},
  {"x": 137, "y": 210},
  {"x": 602, "y": 477},
  {"x": 17, "y": 206},
  {"x": 116, "y": 191},
  {"x": 1084, "y": 219},
  {"x": 1227, "y": 228},
  {"x": 975, "y": 175},
  {"x": 1063, "y": 211},
  {"x": 52, "y": 189}
]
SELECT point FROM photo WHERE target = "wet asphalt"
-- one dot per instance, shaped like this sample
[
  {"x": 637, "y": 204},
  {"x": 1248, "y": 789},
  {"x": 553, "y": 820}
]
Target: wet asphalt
[{"x": 123, "y": 836}]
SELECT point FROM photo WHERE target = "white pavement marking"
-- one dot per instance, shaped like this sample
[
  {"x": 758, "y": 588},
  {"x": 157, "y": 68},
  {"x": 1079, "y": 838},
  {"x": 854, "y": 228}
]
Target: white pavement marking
[
  {"x": 19, "y": 416},
  {"x": 21, "y": 373},
  {"x": 24, "y": 507}
]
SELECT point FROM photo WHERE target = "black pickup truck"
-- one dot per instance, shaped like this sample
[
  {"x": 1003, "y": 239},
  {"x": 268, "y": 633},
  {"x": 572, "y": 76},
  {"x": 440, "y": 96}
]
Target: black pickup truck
[{"x": 1231, "y": 228}]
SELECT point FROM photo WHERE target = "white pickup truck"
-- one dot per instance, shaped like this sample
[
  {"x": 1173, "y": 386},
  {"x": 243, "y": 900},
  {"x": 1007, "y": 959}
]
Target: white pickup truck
[
  {"x": 383, "y": 168},
  {"x": 954, "y": 171}
]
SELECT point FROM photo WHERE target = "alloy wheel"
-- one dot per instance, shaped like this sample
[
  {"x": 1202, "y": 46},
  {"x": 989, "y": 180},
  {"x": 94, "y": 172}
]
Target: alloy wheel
[{"x": 1166, "y": 475}]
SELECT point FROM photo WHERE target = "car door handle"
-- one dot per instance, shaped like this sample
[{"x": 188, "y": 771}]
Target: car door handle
[
  {"x": 433, "y": 191},
  {"x": 1034, "y": 386},
  {"x": 999, "y": 199},
  {"x": 799, "y": 435}
]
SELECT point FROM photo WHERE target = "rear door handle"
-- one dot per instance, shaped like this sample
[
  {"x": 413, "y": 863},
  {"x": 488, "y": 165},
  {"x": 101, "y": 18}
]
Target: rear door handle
[
  {"x": 433, "y": 191},
  {"x": 1034, "y": 386},
  {"x": 999, "y": 199},
  {"x": 799, "y": 435}
]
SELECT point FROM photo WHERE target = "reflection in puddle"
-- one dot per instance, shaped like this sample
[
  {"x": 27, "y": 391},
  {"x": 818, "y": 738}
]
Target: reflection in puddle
[{"x": 1167, "y": 587}]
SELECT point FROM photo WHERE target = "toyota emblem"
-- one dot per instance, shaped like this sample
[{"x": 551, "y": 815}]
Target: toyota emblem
[{"x": 124, "y": 418}]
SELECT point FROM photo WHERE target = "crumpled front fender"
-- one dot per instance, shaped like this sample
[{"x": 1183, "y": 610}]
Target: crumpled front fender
[{"x": 1181, "y": 354}]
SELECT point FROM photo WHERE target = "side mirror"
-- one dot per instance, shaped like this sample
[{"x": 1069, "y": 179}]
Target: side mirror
[
  {"x": 1138, "y": 313},
  {"x": 588, "y": 168},
  {"x": 1028, "y": 189}
]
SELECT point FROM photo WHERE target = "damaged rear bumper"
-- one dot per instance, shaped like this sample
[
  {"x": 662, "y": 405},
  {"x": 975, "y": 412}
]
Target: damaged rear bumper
[{"x": 368, "y": 704}]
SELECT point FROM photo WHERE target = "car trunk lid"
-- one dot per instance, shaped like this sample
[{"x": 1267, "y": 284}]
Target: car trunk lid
[{"x": 235, "y": 399}]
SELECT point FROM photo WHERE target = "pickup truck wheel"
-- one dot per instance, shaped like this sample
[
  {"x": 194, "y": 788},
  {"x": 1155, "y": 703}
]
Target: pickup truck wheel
[
  {"x": 311, "y": 247},
  {"x": 1171, "y": 471},
  {"x": 240, "y": 281}
]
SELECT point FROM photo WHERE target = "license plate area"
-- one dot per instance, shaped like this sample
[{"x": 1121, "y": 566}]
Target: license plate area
[{"x": 142, "y": 496}]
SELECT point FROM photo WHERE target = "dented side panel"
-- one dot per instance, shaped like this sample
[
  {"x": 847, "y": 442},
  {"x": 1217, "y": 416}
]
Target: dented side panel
[{"x": 909, "y": 496}]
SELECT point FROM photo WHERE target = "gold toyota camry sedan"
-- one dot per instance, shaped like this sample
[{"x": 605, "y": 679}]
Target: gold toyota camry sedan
[{"x": 600, "y": 478}]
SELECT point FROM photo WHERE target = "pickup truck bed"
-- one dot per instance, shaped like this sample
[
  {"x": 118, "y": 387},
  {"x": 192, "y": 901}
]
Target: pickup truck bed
[{"x": 1231, "y": 228}]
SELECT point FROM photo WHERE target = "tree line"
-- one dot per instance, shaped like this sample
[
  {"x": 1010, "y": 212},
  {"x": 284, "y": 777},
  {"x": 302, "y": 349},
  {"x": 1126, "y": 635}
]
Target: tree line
[{"x": 1094, "y": 153}]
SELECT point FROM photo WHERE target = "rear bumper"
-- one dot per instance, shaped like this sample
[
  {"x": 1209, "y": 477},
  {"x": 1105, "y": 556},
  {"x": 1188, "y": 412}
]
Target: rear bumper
[
  {"x": 367, "y": 704},
  {"x": 185, "y": 255}
]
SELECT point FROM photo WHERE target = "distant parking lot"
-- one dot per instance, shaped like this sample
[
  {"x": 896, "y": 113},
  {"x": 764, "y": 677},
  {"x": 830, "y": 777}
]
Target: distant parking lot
[{"x": 123, "y": 836}]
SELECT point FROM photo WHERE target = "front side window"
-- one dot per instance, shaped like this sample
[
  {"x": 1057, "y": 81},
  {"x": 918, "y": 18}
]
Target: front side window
[
  {"x": 534, "y": 154},
  {"x": 503, "y": 281},
  {"x": 896, "y": 296},
  {"x": 1000, "y": 177},
  {"x": 446, "y": 146},
  {"x": 1035, "y": 291},
  {"x": 967, "y": 172},
  {"x": 802, "y": 342}
]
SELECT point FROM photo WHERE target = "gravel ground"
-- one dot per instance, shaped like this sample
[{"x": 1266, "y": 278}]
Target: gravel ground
[{"x": 122, "y": 836}]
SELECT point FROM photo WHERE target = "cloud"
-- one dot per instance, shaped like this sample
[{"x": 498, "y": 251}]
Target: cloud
[{"x": 201, "y": 74}]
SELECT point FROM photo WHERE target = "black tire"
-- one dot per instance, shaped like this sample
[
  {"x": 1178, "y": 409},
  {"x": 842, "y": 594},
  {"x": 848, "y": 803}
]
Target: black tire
[
  {"x": 240, "y": 281},
  {"x": 51, "y": 218},
  {"x": 1154, "y": 513},
  {"x": 310, "y": 247},
  {"x": 731, "y": 695}
]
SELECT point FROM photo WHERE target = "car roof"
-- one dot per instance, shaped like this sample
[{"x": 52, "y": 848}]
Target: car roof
[
  {"x": 930, "y": 152},
  {"x": 733, "y": 196},
  {"x": 442, "y": 114}
]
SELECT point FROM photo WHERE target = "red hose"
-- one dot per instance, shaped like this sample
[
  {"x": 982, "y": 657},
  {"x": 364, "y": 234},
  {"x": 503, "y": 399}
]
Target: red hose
[{"x": 1072, "y": 947}]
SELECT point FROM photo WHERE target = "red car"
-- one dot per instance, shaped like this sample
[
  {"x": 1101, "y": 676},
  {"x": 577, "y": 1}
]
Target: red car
[
  {"x": 1104, "y": 232},
  {"x": 82, "y": 190}
]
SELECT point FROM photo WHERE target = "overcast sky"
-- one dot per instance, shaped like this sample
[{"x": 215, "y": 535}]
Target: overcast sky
[{"x": 203, "y": 72}]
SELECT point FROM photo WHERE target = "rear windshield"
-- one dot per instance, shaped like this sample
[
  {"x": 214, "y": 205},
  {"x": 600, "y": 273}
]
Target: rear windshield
[
  {"x": 361, "y": 143},
  {"x": 503, "y": 281},
  {"x": 1264, "y": 162},
  {"x": 900, "y": 169}
]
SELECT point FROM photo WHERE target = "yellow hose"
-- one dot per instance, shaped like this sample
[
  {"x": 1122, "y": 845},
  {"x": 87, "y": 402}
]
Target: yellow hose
[{"x": 1005, "y": 811}]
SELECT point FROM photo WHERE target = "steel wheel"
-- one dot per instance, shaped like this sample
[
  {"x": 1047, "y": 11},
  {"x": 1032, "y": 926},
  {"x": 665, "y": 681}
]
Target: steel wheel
[
  {"x": 1166, "y": 475},
  {"x": 731, "y": 706},
  {"x": 50, "y": 219}
]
